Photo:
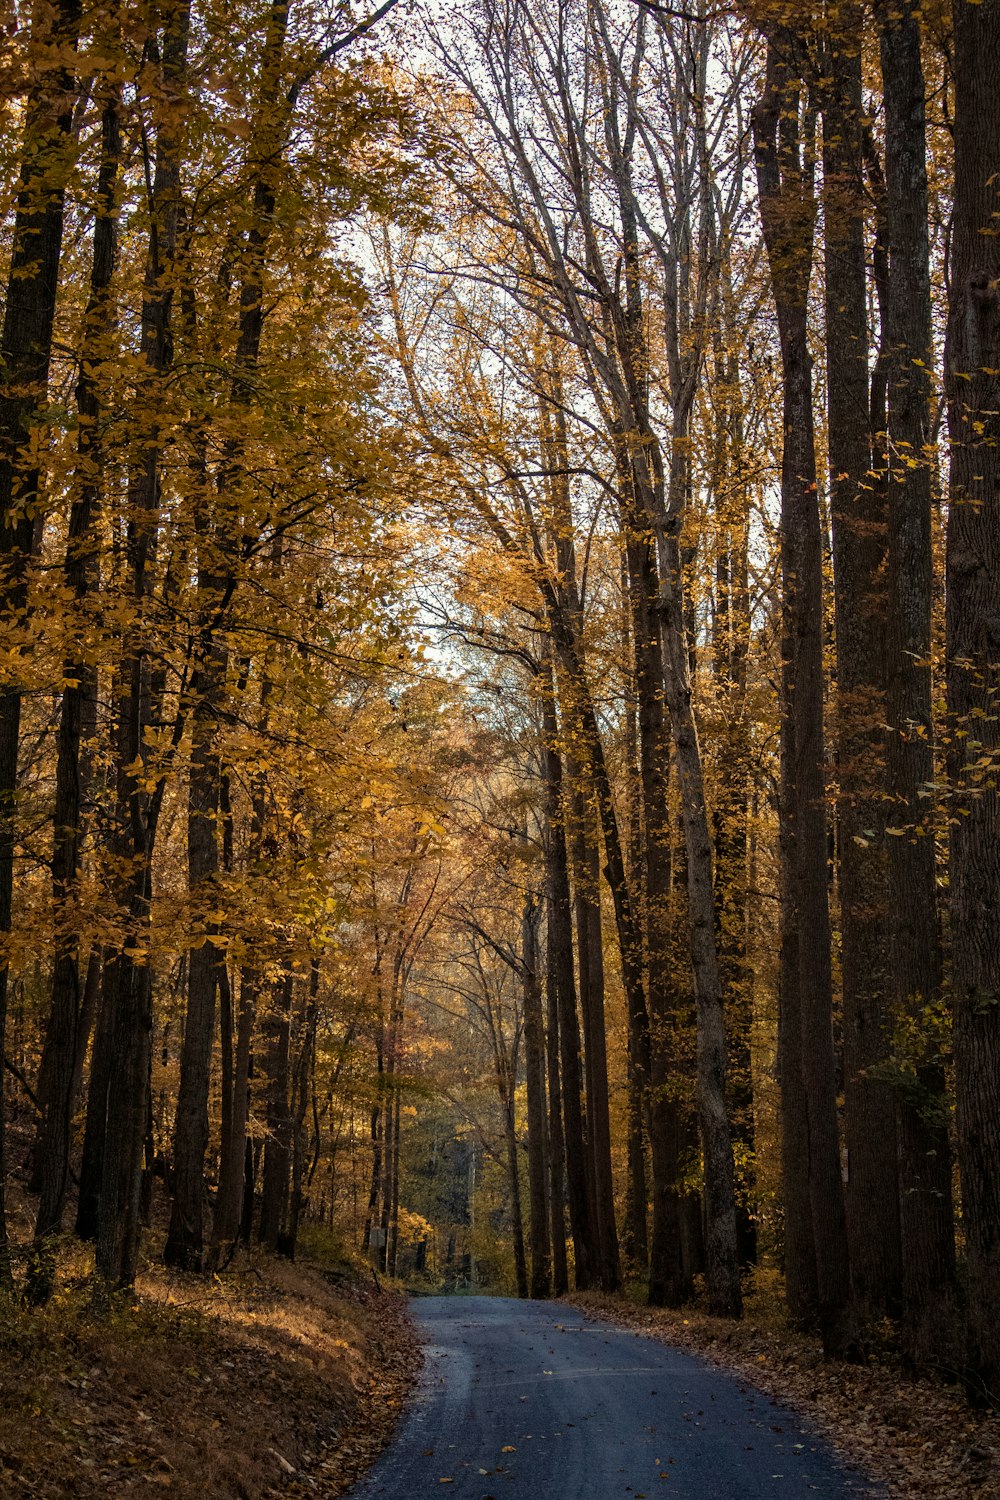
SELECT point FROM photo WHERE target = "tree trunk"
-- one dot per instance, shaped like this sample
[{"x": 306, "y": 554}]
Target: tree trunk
[
  {"x": 534, "y": 1063},
  {"x": 185, "y": 1234},
  {"x": 721, "y": 1259},
  {"x": 731, "y": 631},
  {"x": 635, "y": 1228},
  {"x": 303, "y": 1080},
  {"x": 928, "y": 1246},
  {"x": 590, "y": 965},
  {"x": 229, "y": 1201},
  {"x": 25, "y": 353},
  {"x": 556, "y": 1134},
  {"x": 801, "y": 1285},
  {"x": 390, "y": 1139},
  {"x": 514, "y": 1178},
  {"x": 137, "y": 811},
  {"x": 859, "y": 543},
  {"x": 783, "y": 145},
  {"x": 76, "y": 725},
  {"x": 229, "y": 1194},
  {"x": 562, "y": 1000},
  {"x": 392, "y": 1240},
  {"x": 278, "y": 1144},
  {"x": 95, "y": 1127},
  {"x": 667, "y": 1284},
  {"x": 973, "y": 593}
]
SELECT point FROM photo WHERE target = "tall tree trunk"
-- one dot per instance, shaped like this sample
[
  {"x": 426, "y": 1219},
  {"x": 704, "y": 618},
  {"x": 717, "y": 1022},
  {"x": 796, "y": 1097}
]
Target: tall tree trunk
[
  {"x": 278, "y": 1144},
  {"x": 801, "y": 1284},
  {"x": 928, "y": 1255},
  {"x": 590, "y": 966},
  {"x": 534, "y": 1063},
  {"x": 721, "y": 1258},
  {"x": 390, "y": 1136},
  {"x": 556, "y": 1133},
  {"x": 185, "y": 1233},
  {"x": 635, "y": 1228},
  {"x": 392, "y": 1240},
  {"x": 137, "y": 811},
  {"x": 76, "y": 725},
  {"x": 783, "y": 145},
  {"x": 95, "y": 1126},
  {"x": 973, "y": 608},
  {"x": 229, "y": 1204},
  {"x": 303, "y": 1079},
  {"x": 668, "y": 1284},
  {"x": 731, "y": 631},
  {"x": 859, "y": 544},
  {"x": 372, "y": 1217},
  {"x": 562, "y": 999},
  {"x": 25, "y": 353},
  {"x": 514, "y": 1180},
  {"x": 232, "y": 1149}
]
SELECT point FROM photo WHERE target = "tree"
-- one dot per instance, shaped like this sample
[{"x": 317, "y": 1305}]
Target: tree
[
  {"x": 783, "y": 133},
  {"x": 973, "y": 571},
  {"x": 927, "y": 1231}
]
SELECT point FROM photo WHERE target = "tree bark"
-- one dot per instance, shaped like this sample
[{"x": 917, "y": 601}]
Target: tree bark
[
  {"x": 137, "y": 811},
  {"x": 278, "y": 1144},
  {"x": 562, "y": 998},
  {"x": 232, "y": 1148},
  {"x": 185, "y": 1234},
  {"x": 590, "y": 966},
  {"x": 731, "y": 632},
  {"x": 928, "y": 1253},
  {"x": 635, "y": 1226},
  {"x": 668, "y": 1285},
  {"x": 534, "y": 1064},
  {"x": 556, "y": 1133},
  {"x": 782, "y": 148},
  {"x": 973, "y": 623},
  {"x": 303, "y": 1080},
  {"x": 25, "y": 353},
  {"x": 77, "y": 723},
  {"x": 857, "y": 499}
]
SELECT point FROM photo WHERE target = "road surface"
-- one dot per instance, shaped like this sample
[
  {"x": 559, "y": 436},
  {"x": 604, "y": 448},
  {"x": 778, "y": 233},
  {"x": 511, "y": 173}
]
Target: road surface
[{"x": 532, "y": 1401}]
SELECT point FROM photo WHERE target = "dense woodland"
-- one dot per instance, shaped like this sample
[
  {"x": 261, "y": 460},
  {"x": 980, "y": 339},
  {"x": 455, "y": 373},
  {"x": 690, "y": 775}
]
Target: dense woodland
[{"x": 500, "y": 531}]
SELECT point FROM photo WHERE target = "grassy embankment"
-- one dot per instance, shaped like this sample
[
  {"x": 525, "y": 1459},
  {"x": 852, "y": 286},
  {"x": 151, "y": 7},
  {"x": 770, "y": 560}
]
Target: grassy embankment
[{"x": 270, "y": 1379}]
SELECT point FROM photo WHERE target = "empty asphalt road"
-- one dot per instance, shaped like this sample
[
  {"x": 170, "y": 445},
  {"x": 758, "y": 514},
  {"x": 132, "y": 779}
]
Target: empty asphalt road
[{"x": 532, "y": 1401}]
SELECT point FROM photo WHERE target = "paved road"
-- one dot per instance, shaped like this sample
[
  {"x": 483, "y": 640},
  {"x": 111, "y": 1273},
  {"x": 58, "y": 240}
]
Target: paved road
[{"x": 532, "y": 1401}]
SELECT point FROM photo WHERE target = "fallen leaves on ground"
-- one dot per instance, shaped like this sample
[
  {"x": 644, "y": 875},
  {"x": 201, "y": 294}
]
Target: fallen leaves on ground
[
  {"x": 918, "y": 1437},
  {"x": 268, "y": 1381}
]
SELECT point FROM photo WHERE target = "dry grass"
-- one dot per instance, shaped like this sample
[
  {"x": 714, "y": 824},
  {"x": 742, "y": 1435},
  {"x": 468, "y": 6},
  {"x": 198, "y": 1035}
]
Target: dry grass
[
  {"x": 918, "y": 1437},
  {"x": 273, "y": 1379}
]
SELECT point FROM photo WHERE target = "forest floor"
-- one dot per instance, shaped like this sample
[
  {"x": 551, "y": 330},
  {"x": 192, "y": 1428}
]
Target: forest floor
[
  {"x": 272, "y": 1379},
  {"x": 919, "y": 1437}
]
